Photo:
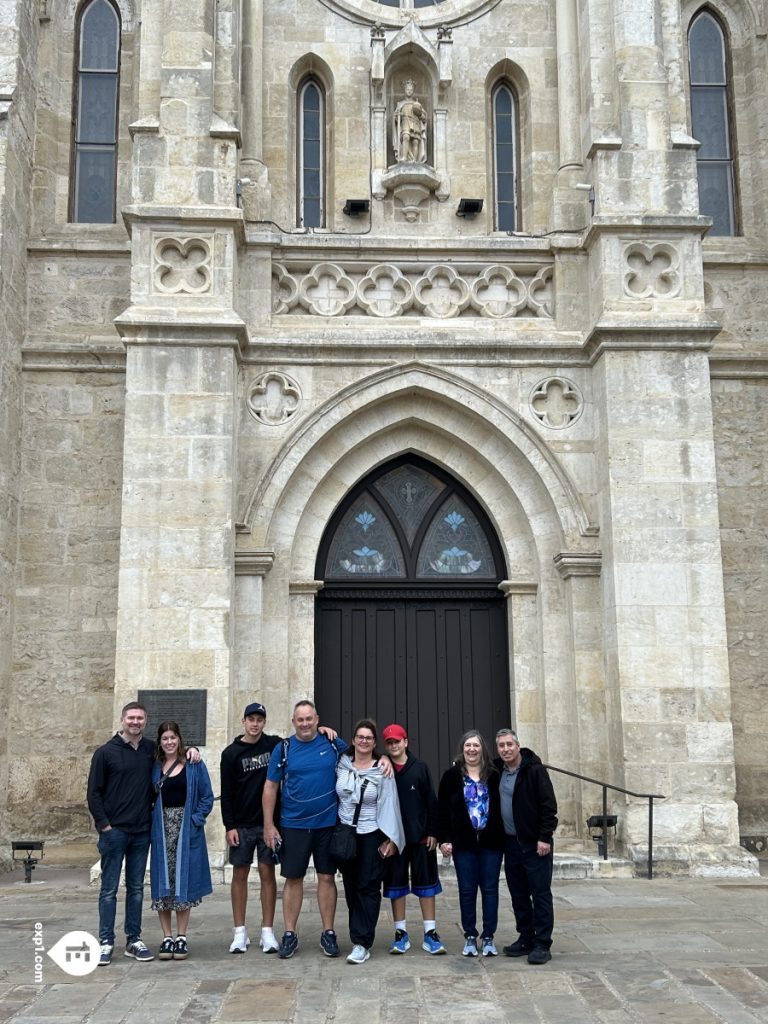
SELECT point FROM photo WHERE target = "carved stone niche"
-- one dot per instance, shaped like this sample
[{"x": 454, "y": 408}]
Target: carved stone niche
[{"x": 409, "y": 144}]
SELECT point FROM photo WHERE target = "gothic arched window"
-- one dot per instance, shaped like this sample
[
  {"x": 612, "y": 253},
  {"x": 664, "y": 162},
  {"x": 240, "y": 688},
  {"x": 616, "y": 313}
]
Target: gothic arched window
[
  {"x": 505, "y": 158},
  {"x": 409, "y": 521},
  {"x": 311, "y": 155},
  {"x": 711, "y": 122},
  {"x": 94, "y": 156}
]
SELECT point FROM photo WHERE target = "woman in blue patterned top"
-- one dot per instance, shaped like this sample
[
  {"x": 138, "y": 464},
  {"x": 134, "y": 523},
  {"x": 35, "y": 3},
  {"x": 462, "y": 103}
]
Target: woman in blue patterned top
[{"x": 471, "y": 830}]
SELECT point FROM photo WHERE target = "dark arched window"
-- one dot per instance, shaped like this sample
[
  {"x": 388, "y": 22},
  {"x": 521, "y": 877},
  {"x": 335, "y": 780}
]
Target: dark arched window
[
  {"x": 94, "y": 157},
  {"x": 311, "y": 155},
  {"x": 711, "y": 121},
  {"x": 409, "y": 521},
  {"x": 505, "y": 156}
]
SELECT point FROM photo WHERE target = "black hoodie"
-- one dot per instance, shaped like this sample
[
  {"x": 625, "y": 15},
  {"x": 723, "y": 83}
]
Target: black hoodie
[
  {"x": 418, "y": 803},
  {"x": 243, "y": 773},
  {"x": 534, "y": 805}
]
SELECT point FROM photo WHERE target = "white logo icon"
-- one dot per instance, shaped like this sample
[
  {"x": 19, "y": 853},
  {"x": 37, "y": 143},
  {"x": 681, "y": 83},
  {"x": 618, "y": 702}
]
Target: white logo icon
[{"x": 76, "y": 953}]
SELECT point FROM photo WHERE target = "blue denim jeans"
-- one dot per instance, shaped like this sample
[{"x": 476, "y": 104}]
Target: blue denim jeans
[
  {"x": 114, "y": 847},
  {"x": 478, "y": 869},
  {"x": 529, "y": 880}
]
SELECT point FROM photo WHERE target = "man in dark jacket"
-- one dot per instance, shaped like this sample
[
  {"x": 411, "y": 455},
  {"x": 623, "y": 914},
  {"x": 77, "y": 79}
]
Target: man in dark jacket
[
  {"x": 243, "y": 772},
  {"x": 415, "y": 869},
  {"x": 529, "y": 813}
]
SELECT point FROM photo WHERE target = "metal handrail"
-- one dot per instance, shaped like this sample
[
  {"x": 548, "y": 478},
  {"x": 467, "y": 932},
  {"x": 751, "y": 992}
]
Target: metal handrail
[{"x": 650, "y": 797}]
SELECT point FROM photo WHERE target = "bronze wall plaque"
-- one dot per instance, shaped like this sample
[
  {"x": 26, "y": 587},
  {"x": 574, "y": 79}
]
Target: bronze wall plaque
[{"x": 187, "y": 707}]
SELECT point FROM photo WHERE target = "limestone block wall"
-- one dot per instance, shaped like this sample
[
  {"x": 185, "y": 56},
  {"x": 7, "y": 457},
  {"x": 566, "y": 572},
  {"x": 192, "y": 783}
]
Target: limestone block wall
[
  {"x": 18, "y": 70},
  {"x": 741, "y": 429},
  {"x": 66, "y": 595},
  {"x": 53, "y": 128},
  {"x": 516, "y": 39}
]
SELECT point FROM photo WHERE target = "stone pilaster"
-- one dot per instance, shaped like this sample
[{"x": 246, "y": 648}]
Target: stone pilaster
[
  {"x": 17, "y": 101},
  {"x": 175, "y": 623},
  {"x": 664, "y": 616}
]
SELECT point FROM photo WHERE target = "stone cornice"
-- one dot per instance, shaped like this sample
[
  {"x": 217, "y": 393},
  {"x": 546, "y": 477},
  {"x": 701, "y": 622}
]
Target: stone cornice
[
  {"x": 647, "y": 225},
  {"x": 253, "y": 562},
  {"x": 186, "y": 217},
  {"x": 306, "y": 587},
  {"x": 106, "y": 358},
  {"x": 729, "y": 366},
  {"x": 578, "y": 563},
  {"x": 514, "y": 588}
]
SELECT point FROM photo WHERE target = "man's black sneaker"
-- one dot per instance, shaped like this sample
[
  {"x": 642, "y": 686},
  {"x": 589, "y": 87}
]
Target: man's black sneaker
[
  {"x": 539, "y": 955},
  {"x": 329, "y": 944},
  {"x": 518, "y": 948},
  {"x": 288, "y": 945}
]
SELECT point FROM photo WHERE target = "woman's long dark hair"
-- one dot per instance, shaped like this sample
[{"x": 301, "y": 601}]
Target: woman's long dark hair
[
  {"x": 368, "y": 723},
  {"x": 169, "y": 726},
  {"x": 486, "y": 761}
]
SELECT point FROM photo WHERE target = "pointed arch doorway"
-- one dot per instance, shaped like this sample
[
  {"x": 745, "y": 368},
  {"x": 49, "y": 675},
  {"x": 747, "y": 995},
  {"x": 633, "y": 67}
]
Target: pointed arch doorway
[{"x": 410, "y": 626}]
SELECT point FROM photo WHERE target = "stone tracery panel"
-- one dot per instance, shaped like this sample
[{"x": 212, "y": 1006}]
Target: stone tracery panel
[
  {"x": 651, "y": 270},
  {"x": 556, "y": 402},
  {"x": 397, "y": 289},
  {"x": 273, "y": 398},
  {"x": 182, "y": 265}
]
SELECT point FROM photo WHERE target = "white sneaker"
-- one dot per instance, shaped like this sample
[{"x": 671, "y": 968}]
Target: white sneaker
[
  {"x": 470, "y": 946},
  {"x": 240, "y": 942},
  {"x": 268, "y": 942},
  {"x": 358, "y": 955}
]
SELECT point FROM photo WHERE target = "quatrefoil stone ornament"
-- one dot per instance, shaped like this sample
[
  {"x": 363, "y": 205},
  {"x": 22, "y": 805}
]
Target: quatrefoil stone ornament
[
  {"x": 556, "y": 402},
  {"x": 182, "y": 265},
  {"x": 652, "y": 271},
  {"x": 273, "y": 398}
]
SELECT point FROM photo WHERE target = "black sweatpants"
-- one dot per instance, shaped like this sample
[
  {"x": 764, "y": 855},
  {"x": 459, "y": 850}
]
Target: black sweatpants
[{"x": 362, "y": 888}]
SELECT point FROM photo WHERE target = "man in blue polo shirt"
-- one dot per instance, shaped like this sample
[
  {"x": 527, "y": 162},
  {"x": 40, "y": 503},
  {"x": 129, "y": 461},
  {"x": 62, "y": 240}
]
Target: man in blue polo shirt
[{"x": 305, "y": 764}]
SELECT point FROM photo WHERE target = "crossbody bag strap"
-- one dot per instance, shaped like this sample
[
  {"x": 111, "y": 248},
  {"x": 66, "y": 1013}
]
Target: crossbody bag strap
[{"x": 359, "y": 807}]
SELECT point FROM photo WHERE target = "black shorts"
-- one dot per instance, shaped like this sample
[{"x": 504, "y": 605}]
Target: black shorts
[
  {"x": 251, "y": 841},
  {"x": 414, "y": 870},
  {"x": 299, "y": 844}
]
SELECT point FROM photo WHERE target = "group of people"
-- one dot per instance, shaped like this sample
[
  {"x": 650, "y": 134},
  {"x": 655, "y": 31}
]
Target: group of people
[{"x": 373, "y": 816}]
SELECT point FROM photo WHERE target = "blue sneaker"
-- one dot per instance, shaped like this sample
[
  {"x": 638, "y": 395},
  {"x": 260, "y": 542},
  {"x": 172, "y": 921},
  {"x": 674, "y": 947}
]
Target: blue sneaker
[
  {"x": 402, "y": 943},
  {"x": 288, "y": 945},
  {"x": 139, "y": 951},
  {"x": 329, "y": 943},
  {"x": 432, "y": 943},
  {"x": 105, "y": 954}
]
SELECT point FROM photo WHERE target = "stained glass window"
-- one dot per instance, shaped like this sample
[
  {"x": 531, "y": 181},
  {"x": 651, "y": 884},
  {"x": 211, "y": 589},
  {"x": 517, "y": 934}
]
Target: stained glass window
[
  {"x": 365, "y": 543},
  {"x": 95, "y": 128},
  {"x": 710, "y": 121},
  {"x": 455, "y": 544},
  {"x": 505, "y": 157},
  {"x": 412, "y": 522},
  {"x": 311, "y": 155},
  {"x": 409, "y": 491}
]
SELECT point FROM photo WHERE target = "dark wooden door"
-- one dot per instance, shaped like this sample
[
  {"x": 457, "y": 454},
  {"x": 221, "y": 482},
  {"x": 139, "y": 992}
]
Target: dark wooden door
[{"x": 434, "y": 662}]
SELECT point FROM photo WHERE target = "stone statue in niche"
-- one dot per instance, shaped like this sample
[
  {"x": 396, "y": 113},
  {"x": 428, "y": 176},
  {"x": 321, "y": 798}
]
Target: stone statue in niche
[{"x": 410, "y": 128}]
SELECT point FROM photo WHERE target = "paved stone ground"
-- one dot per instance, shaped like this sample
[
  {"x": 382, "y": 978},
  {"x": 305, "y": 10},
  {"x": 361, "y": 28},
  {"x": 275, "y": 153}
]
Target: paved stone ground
[{"x": 627, "y": 951}]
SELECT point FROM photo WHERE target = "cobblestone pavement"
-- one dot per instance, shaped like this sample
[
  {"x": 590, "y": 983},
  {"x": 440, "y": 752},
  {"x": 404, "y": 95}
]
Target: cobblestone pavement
[{"x": 681, "y": 951}]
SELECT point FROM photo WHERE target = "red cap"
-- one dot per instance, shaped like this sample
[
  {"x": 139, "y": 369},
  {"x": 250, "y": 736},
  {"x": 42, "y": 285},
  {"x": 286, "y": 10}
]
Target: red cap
[{"x": 394, "y": 732}]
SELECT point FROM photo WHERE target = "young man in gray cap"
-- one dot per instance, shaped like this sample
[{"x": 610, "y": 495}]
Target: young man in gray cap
[{"x": 243, "y": 772}]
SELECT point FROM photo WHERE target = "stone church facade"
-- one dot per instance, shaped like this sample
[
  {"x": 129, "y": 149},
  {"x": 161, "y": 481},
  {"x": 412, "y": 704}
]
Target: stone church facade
[{"x": 410, "y": 353}]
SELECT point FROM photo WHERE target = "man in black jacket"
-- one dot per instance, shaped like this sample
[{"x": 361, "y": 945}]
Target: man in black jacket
[
  {"x": 244, "y": 766},
  {"x": 529, "y": 813},
  {"x": 418, "y": 809}
]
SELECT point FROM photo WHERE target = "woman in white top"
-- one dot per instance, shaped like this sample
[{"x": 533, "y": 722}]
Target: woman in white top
[{"x": 379, "y": 834}]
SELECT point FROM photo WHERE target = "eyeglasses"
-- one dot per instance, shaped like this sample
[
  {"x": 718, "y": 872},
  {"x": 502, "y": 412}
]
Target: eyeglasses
[{"x": 364, "y": 739}]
